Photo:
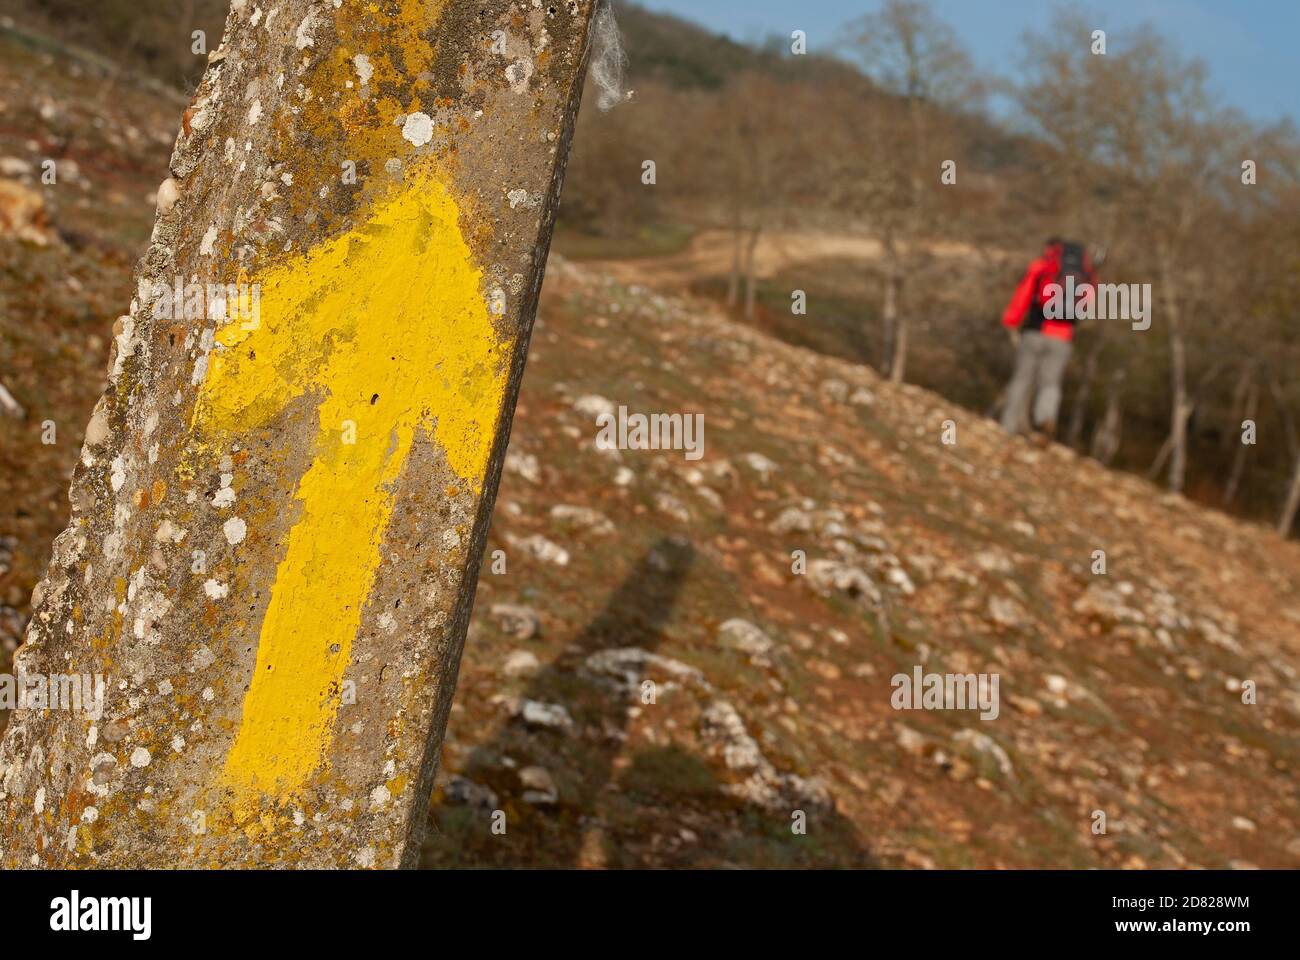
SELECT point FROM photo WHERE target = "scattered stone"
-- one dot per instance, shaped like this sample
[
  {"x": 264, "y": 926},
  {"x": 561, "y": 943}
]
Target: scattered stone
[
  {"x": 898, "y": 577},
  {"x": 761, "y": 465},
  {"x": 744, "y": 636},
  {"x": 466, "y": 793},
  {"x": 1026, "y": 705},
  {"x": 1107, "y": 605},
  {"x": 994, "y": 561},
  {"x": 723, "y": 729},
  {"x": 518, "y": 621},
  {"x": 523, "y": 465},
  {"x": 593, "y": 405},
  {"x": 539, "y": 786},
  {"x": 667, "y": 503},
  {"x": 541, "y": 548},
  {"x": 981, "y": 747},
  {"x": 22, "y": 214},
  {"x": 548, "y": 716},
  {"x": 583, "y": 518},
  {"x": 910, "y": 740},
  {"x": 828, "y": 577},
  {"x": 521, "y": 663},
  {"x": 1007, "y": 613},
  {"x": 629, "y": 666}
]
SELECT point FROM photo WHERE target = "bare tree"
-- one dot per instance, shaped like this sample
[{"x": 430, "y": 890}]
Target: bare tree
[
  {"x": 758, "y": 161},
  {"x": 912, "y": 54},
  {"x": 1175, "y": 151}
]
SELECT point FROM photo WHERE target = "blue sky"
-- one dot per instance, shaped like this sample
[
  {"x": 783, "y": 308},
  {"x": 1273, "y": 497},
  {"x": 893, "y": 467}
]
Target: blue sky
[{"x": 1248, "y": 45}]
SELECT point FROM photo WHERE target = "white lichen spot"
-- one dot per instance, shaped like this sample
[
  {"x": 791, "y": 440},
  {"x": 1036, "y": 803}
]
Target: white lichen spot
[
  {"x": 140, "y": 757},
  {"x": 364, "y": 70},
  {"x": 302, "y": 38},
  {"x": 209, "y": 238},
  {"x": 92, "y": 737},
  {"x": 209, "y": 694},
  {"x": 215, "y": 589},
  {"x": 255, "y": 112},
  {"x": 234, "y": 529},
  {"x": 168, "y": 532},
  {"x": 225, "y": 496},
  {"x": 202, "y": 658},
  {"x": 178, "y": 743},
  {"x": 380, "y": 796},
  {"x": 38, "y": 805},
  {"x": 418, "y": 128},
  {"x": 118, "y": 475},
  {"x": 90, "y": 815},
  {"x": 366, "y": 857},
  {"x": 518, "y": 74}
]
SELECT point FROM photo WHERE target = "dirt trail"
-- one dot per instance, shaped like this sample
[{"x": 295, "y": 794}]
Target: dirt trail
[{"x": 710, "y": 254}]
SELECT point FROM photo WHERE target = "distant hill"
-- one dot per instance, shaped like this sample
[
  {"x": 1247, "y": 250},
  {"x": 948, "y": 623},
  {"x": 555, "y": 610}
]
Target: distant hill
[
  {"x": 149, "y": 37},
  {"x": 664, "y": 47}
]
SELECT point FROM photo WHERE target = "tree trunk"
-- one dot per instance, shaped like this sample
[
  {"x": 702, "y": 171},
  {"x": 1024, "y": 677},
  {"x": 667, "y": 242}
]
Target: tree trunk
[
  {"x": 1162, "y": 457},
  {"x": 1181, "y": 408},
  {"x": 1292, "y": 505},
  {"x": 889, "y": 320},
  {"x": 751, "y": 272},
  {"x": 1248, "y": 410},
  {"x": 899, "y": 367},
  {"x": 275, "y": 540},
  {"x": 1106, "y": 439},
  {"x": 895, "y": 321},
  {"x": 1082, "y": 396},
  {"x": 733, "y": 279}
]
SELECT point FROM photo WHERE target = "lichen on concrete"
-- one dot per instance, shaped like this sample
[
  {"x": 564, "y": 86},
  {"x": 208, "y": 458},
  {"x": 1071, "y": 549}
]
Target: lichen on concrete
[{"x": 277, "y": 518}]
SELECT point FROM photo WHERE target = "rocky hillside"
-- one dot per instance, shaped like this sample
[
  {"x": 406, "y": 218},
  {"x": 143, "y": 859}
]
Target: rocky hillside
[
  {"x": 1120, "y": 692},
  {"x": 771, "y": 706}
]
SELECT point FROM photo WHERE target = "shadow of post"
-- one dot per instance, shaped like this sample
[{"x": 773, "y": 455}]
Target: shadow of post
[{"x": 581, "y": 762}]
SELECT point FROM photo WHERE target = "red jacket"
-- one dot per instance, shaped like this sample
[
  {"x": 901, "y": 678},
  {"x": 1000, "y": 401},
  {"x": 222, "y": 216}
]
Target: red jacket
[{"x": 1026, "y": 306}]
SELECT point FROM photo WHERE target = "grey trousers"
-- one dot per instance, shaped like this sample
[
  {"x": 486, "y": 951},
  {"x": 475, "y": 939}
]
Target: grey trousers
[{"x": 1041, "y": 362}]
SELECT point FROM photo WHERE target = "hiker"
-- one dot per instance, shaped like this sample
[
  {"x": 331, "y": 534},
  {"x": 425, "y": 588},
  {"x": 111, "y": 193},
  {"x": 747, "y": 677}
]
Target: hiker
[{"x": 1041, "y": 325}]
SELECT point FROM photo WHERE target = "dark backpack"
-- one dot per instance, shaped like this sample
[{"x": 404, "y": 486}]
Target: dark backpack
[{"x": 1072, "y": 263}]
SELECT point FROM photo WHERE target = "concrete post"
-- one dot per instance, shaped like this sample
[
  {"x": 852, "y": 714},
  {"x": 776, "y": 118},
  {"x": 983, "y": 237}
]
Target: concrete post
[{"x": 245, "y": 648}]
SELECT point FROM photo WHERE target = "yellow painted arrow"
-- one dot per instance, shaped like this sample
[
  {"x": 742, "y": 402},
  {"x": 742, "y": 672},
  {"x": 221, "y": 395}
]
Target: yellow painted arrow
[{"x": 386, "y": 328}]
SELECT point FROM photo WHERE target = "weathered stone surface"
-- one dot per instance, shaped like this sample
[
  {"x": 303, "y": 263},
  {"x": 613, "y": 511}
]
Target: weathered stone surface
[{"x": 279, "y": 512}]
